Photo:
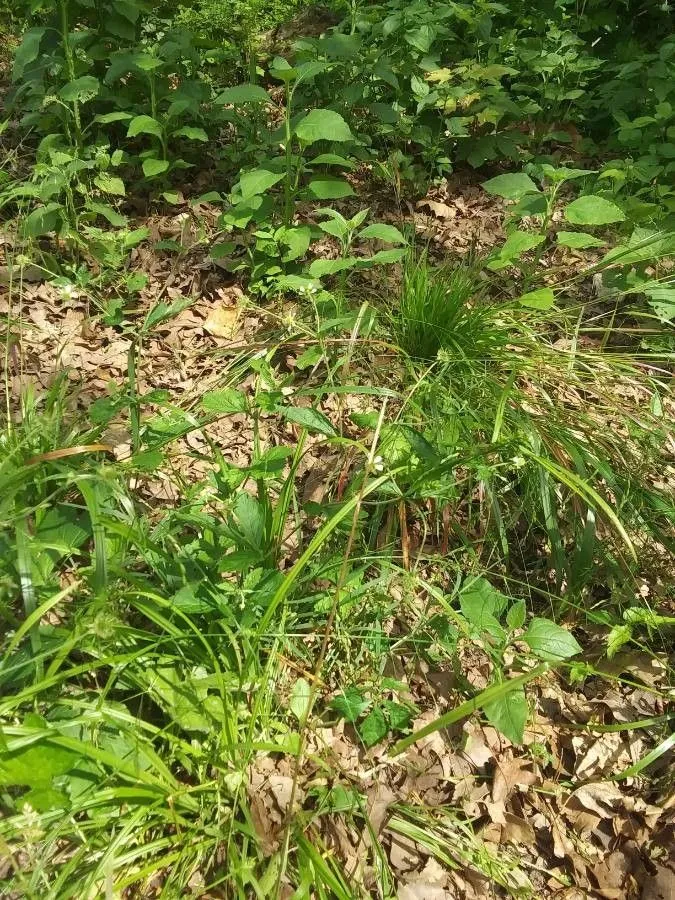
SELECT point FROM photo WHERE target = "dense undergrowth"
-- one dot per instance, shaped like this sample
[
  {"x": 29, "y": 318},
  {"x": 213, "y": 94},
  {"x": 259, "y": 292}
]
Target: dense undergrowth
[{"x": 246, "y": 584}]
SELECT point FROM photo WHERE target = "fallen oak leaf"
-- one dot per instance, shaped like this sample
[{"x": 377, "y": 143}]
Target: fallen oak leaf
[
  {"x": 440, "y": 210},
  {"x": 509, "y": 775},
  {"x": 222, "y": 321}
]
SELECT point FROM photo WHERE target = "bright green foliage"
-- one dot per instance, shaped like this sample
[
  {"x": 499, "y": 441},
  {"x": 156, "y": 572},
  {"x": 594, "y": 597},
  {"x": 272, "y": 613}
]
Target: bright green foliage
[
  {"x": 485, "y": 479},
  {"x": 440, "y": 310}
]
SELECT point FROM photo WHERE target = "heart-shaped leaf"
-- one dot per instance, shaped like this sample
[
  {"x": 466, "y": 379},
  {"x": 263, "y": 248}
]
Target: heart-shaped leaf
[
  {"x": 383, "y": 232},
  {"x": 549, "y": 641},
  {"x": 511, "y": 187},
  {"x": 153, "y": 167},
  {"x": 591, "y": 210},
  {"x": 144, "y": 125},
  {"x": 322, "y": 125},
  {"x": 240, "y": 94},
  {"x": 508, "y": 714}
]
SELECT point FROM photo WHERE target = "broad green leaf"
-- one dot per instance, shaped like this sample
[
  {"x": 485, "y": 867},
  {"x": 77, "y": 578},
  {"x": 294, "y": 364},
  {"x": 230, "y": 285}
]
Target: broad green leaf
[
  {"x": 250, "y": 516},
  {"x": 321, "y": 267},
  {"x": 257, "y": 182},
  {"x": 240, "y": 94},
  {"x": 27, "y": 51},
  {"x": 331, "y": 159},
  {"x": 175, "y": 198},
  {"x": 133, "y": 238},
  {"x": 80, "y": 90},
  {"x": 350, "y": 705},
  {"x": 282, "y": 70},
  {"x": 617, "y": 637},
  {"x": 146, "y": 62},
  {"x": 144, "y": 125},
  {"x": 515, "y": 245},
  {"x": 543, "y": 298},
  {"x": 271, "y": 463},
  {"x": 222, "y": 250},
  {"x": 42, "y": 220},
  {"x": 482, "y": 605},
  {"x": 399, "y": 715},
  {"x": 102, "y": 209},
  {"x": 152, "y": 166},
  {"x": 577, "y": 240},
  {"x": 110, "y": 184},
  {"x": 382, "y": 232},
  {"x": 297, "y": 240},
  {"x": 130, "y": 9},
  {"x": 529, "y": 205},
  {"x": 183, "y": 697},
  {"x": 307, "y": 71},
  {"x": 421, "y": 38},
  {"x": 35, "y": 765},
  {"x": 192, "y": 133},
  {"x": 508, "y": 715},
  {"x": 300, "y": 697},
  {"x": 549, "y": 641},
  {"x": 224, "y": 402},
  {"x": 515, "y": 617},
  {"x": 591, "y": 210},
  {"x": 511, "y": 187},
  {"x": 109, "y": 118},
  {"x": 558, "y": 174},
  {"x": 382, "y": 258},
  {"x": 328, "y": 187},
  {"x": 338, "y": 229},
  {"x": 322, "y": 125},
  {"x": 373, "y": 728},
  {"x": 308, "y": 418}
]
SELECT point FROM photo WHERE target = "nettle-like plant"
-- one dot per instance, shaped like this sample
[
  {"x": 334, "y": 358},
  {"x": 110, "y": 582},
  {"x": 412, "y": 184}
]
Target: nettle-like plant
[
  {"x": 70, "y": 190},
  {"x": 88, "y": 71},
  {"x": 539, "y": 204},
  {"x": 641, "y": 97},
  {"x": 632, "y": 267},
  {"x": 554, "y": 72},
  {"x": 269, "y": 196},
  {"x": 410, "y": 75},
  {"x": 108, "y": 100}
]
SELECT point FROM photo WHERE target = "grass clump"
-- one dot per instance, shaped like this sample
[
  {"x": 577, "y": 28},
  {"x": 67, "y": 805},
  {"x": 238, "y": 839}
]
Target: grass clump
[{"x": 438, "y": 308}]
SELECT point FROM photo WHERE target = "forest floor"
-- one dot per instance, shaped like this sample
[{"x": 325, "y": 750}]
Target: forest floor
[{"x": 551, "y": 815}]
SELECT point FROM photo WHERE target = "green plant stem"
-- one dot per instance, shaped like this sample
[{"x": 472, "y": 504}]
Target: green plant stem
[
  {"x": 24, "y": 568},
  {"x": 134, "y": 410},
  {"x": 70, "y": 65},
  {"x": 288, "y": 139}
]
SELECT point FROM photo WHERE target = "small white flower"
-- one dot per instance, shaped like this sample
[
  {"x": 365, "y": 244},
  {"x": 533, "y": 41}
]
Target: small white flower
[
  {"x": 378, "y": 464},
  {"x": 518, "y": 462},
  {"x": 69, "y": 292}
]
